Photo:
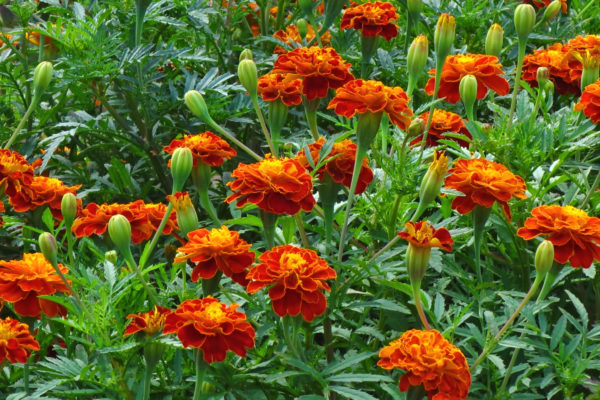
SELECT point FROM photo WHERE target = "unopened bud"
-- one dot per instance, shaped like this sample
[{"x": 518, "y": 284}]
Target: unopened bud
[
  {"x": 524, "y": 20},
  {"x": 246, "y": 54},
  {"x": 549, "y": 87},
  {"x": 468, "y": 90},
  {"x": 248, "y": 76},
  {"x": 42, "y": 76},
  {"x": 542, "y": 76},
  {"x": 414, "y": 6},
  {"x": 417, "y": 55},
  {"x": 302, "y": 27},
  {"x": 111, "y": 256},
  {"x": 444, "y": 35},
  {"x": 494, "y": 40},
  {"x": 48, "y": 247},
  {"x": 182, "y": 162},
  {"x": 434, "y": 178},
  {"x": 417, "y": 259},
  {"x": 544, "y": 257},
  {"x": 551, "y": 10},
  {"x": 119, "y": 230},
  {"x": 195, "y": 102},
  {"x": 187, "y": 219},
  {"x": 591, "y": 65},
  {"x": 486, "y": 127},
  {"x": 416, "y": 128},
  {"x": 68, "y": 208}
]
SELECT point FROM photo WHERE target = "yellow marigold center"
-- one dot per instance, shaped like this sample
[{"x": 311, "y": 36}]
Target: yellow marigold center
[
  {"x": 220, "y": 236},
  {"x": 292, "y": 261},
  {"x": 6, "y": 333},
  {"x": 154, "y": 322},
  {"x": 269, "y": 166},
  {"x": 463, "y": 59},
  {"x": 214, "y": 312},
  {"x": 575, "y": 212},
  {"x": 439, "y": 163},
  {"x": 181, "y": 202},
  {"x": 196, "y": 140},
  {"x": 424, "y": 233}
]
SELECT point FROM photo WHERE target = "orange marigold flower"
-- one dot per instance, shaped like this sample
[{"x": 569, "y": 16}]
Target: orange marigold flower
[
  {"x": 483, "y": 182},
  {"x": 422, "y": 234},
  {"x": 282, "y": 87},
  {"x": 484, "y": 68},
  {"x": 15, "y": 172},
  {"x": 206, "y": 147},
  {"x": 564, "y": 70},
  {"x": 150, "y": 322},
  {"x": 298, "y": 277},
  {"x": 585, "y": 44},
  {"x": 292, "y": 37},
  {"x": 22, "y": 281},
  {"x": 430, "y": 360},
  {"x": 211, "y": 326},
  {"x": 372, "y": 19},
  {"x": 545, "y": 3},
  {"x": 442, "y": 122},
  {"x": 218, "y": 249},
  {"x": 43, "y": 190},
  {"x": 144, "y": 219},
  {"x": 319, "y": 68},
  {"x": 590, "y": 102},
  {"x": 340, "y": 163},
  {"x": 360, "y": 96},
  {"x": 275, "y": 185},
  {"x": 16, "y": 341},
  {"x": 574, "y": 234}
]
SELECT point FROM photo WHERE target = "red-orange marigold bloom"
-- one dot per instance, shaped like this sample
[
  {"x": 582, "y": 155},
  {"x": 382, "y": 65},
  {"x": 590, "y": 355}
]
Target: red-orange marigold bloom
[
  {"x": 372, "y": 19},
  {"x": 545, "y": 3},
  {"x": 15, "y": 172},
  {"x": 585, "y": 44},
  {"x": 422, "y": 234},
  {"x": 275, "y": 185},
  {"x": 291, "y": 37},
  {"x": 43, "y": 190},
  {"x": 360, "y": 96},
  {"x": 442, "y": 122},
  {"x": 564, "y": 70},
  {"x": 144, "y": 219},
  {"x": 22, "y": 281},
  {"x": 341, "y": 164},
  {"x": 319, "y": 68},
  {"x": 484, "y": 68},
  {"x": 218, "y": 249},
  {"x": 483, "y": 182},
  {"x": 430, "y": 360},
  {"x": 284, "y": 87},
  {"x": 16, "y": 341},
  {"x": 211, "y": 326},
  {"x": 589, "y": 102},
  {"x": 206, "y": 147},
  {"x": 150, "y": 322},
  {"x": 298, "y": 277},
  {"x": 574, "y": 234}
]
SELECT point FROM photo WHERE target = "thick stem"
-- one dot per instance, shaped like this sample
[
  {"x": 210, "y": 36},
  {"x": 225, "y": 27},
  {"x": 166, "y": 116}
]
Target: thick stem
[
  {"x": 368, "y": 47},
  {"x": 480, "y": 217},
  {"x": 150, "y": 248},
  {"x": 147, "y": 380},
  {"x": 513, "y": 102},
  {"x": 549, "y": 280},
  {"x": 439, "y": 64},
  {"x": 310, "y": 110},
  {"x": 263, "y": 126},
  {"x": 288, "y": 328},
  {"x": 201, "y": 179},
  {"x": 301, "y": 230},
  {"x": 200, "y": 372},
  {"x": 328, "y": 190},
  {"x": 268, "y": 220},
  {"x": 34, "y": 102},
  {"x": 328, "y": 338},
  {"x": 417, "y": 298}
]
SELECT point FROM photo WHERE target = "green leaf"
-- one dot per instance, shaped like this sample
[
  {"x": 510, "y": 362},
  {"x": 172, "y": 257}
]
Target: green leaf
[
  {"x": 337, "y": 366},
  {"x": 48, "y": 219},
  {"x": 308, "y": 369},
  {"x": 359, "y": 378},
  {"x": 580, "y": 309},
  {"x": 557, "y": 333},
  {"x": 352, "y": 393}
]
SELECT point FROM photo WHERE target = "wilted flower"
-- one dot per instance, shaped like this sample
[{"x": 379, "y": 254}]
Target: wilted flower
[
  {"x": 16, "y": 341},
  {"x": 372, "y": 19},
  {"x": 150, "y": 322},
  {"x": 442, "y": 122},
  {"x": 206, "y": 147}
]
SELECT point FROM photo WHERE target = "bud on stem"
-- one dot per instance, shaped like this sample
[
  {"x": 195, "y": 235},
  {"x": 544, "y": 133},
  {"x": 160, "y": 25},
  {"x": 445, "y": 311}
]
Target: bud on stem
[
  {"x": 493, "y": 40},
  {"x": 42, "y": 76}
]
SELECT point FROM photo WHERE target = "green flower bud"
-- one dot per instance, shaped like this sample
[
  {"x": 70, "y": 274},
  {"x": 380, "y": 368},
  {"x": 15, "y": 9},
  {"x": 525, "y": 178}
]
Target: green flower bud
[
  {"x": 187, "y": 219},
  {"x": 302, "y": 27},
  {"x": 248, "y": 76},
  {"x": 246, "y": 54},
  {"x": 544, "y": 257},
  {"x": 111, "y": 256},
  {"x": 444, "y": 35},
  {"x": 416, "y": 128},
  {"x": 414, "y": 6},
  {"x": 468, "y": 90},
  {"x": 417, "y": 56},
  {"x": 42, "y": 76},
  {"x": 49, "y": 247},
  {"x": 551, "y": 10},
  {"x": 434, "y": 178},
  {"x": 182, "y": 162},
  {"x": 417, "y": 259},
  {"x": 493, "y": 40},
  {"x": 524, "y": 20},
  {"x": 367, "y": 127},
  {"x": 549, "y": 87},
  {"x": 542, "y": 76},
  {"x": 119, "y": 230},
  {"x": 195, "y": 102},
  {"x": 207, "y": 387},
  {"x": 68, "y": 208}
]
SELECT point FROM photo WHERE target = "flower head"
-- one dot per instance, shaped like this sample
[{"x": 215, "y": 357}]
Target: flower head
[
  {"x": 422, "y": 234},
  {"x": 431, "y": 361},
  {"x": 291, "y": 37},
  {"x": 206, "y": 147},
  {"x": 589, "y": 102},
  {"x": 319, "y": 68},
  {"x": 585, "y": 44},
  {"x": 218, "y": 249},
  {"x": 15, "y": 172},
  {"x": 360, "y": 96},
  {"x": 564, "y": 69},
  {"x": 339, "y": 163},
  {"x": 211, "y": 326},
  {"x": 278, "y": 186},
  {"x": 298, "y": 277},
  {"x": 372, "y": 19},
  {"x": 22, "y": 281},
  {"x": 16, "y": 341},
  {"x": 442, "y": 122},
  {"x": 483, "y": 182},
  {"x": 574, "y": 234},
  {"x": 150, "y": 322},
  {"x": 43, "y": 190},
  {"x": 284, "y": 87},
  {"x": 484, "y": 68}
]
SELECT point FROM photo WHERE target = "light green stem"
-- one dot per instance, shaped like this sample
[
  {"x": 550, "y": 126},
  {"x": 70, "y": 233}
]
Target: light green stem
[
  {"x": 300, "y": 226},
  {"x": 200, "y": 372},
  {"x": 150, "y": 248},
  {"x": 201, "y": 178},
  {"x": 513, "y": 102},
  {"x": 34, "y": 102},
  {"x": 417, "y": 298},
  {"x": 310, "y": 110},
  {"x": 263, "y": 126},
  {"x": 133, "y": 265},
  {"x": 480, "y": 216},
  {"x": 231, "y": 138},
  {"x": 439, "y": 64}
]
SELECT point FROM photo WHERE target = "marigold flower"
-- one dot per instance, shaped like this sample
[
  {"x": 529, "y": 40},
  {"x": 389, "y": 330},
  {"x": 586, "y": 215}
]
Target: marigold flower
[
  {"x": 422, "y": 234},
  {"x": 372, "y": 19},
  {"x": 275, "y": 185},
  {"x": 319, "y": 68},
  {"x": 585, "y": 44},
  {"x": 484, "y": 68},
  {"x": 545, "y": 3},
  {"x": 218, "y": 249},
  {"x": 211, "y": 326},
  {"x": 298, "y": 277},
  {"x": 282, "y": 87},
  {"x": 206, "y": 147},
  {"x": 15, "y": 172},
  {"x": 340, "y": 164},
  {"x": 590, "y": 102},
  {"x": 442, "y": 122},
  {"x": 144, "y": 219},
  {"x": 574, "y": 234},
  {"x": 16, "y": 341},
  {"x": 564, "y": 69},
  {"x": 430, "y": 360},
  {"x": 22, "y": 281},
  {"x": 360, "y": 96},
  {"x": 483, "y": 182},
  {"x": 291, "y": 37},
  {"x": 150, "y": 322},
  {"x": 43, "y": 190}
]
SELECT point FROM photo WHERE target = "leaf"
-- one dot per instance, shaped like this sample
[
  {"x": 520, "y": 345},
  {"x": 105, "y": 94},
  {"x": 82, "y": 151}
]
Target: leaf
[
  {"x": 557, "y": 333},
  {"x": 308, "y": 369},
  {"x": 497, "y": 361},
  {"x": 352, "y": 393},
  {"x": 360, "y": 378},
  {"x": 580, "y": 309},
  {"x": 110, "y": 273},
  {"x": 48, "y": 219},
  {"x": 337, "y": 366}
]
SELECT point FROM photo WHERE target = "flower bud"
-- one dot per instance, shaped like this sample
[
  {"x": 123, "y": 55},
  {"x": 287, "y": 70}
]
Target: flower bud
[
  {"x": 493, "y": 40},
  {"x": 367, "y": 128},
  {"x": 416, "y": 128},
  {"x": 551, "y": 10},
  {"x": 42, "y": 76},
  {"x": 248, "y": 76},
  {"x": 181, "y": 167},
  {"x": 119, "y": 230},
  {"x": 417, "y": 259},
  {"x": 542, "y": 76},
  {"x": 111, "y": 256},
  {"x": 246, "y": 54},
  {"x": 524, "y": 20},
  {"x": 434, "y": 178},
  {"x": 417, "y": 56},
  {"x": 468, "y": 90},
  {"x": 195, "y": 102},
  {"x": 207, "y": 387},
  {"x": 68, "y": 208},
  {"x": 549, "y": 88},
  {"x": 49, "y": 247},
  {"x": 590, "y": 71},
  {"x": 444, "y": 35},
  {"x": 486, "y": 128},
  {"x": 187, "y": 219},
  {"x": 302, "y": 27},
  {"x": 414, "y": 6},
  {"x": 544, "y": 257}
]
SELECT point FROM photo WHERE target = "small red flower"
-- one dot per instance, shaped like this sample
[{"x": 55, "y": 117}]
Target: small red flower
[
  {"x": 16, "y": 341},
  {"x": 441, "y": 123},
  {"x": 590, "y": 102},
  {"x": 206, "y": 147},
  {"x": 422, "y": 234},
  {"x": 372, "y": 19},
  {"x": 149, "y": 322}
]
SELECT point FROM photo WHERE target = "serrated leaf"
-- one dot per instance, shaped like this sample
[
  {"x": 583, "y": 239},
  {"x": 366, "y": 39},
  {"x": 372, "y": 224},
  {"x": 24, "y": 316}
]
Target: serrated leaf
[
  {"x": 110, "y": 273},
  {"x": 360, "y": 378},
  {"x": 352, "y": 393},
  {"x": 497, "y": 361},
  {"x": 557, "y": 332},
  {"x": 580, "y": 309},
  {"x": 336, "y": 366}
]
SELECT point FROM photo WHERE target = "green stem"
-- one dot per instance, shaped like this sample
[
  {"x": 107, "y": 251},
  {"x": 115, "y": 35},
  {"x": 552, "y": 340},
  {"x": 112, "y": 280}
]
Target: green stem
[
  {"x": 384, "y": 248},
  {"x": 200, "y": 372},
  {"x": 147, "y": 380},
  {"x": 313, "y": 22},
  {"x": 409, "y": 25},
  {"x": 268, "y": 220},
  {"x": 394, "y": 216},
  {"x": 281, "y": 6},
  {"x": 26, "y": 376},
  {"x": 150, "y": 248},
  {"x": 263, "y": 126},
  {"x": 201, "y": 178},
  {"x": 549, "y": 280},
  {"x": 480, "y": 216},
  {"x": 231, "y": 138},
  {"x": 133, "y": 265},
  {"x": 310, "y": 110},
  {"x": 70, "y": 243},
  {"x": 511, "y": 364},
  {"x": 328, "y": 338},
  {"x": 417, "y": 298},
  {"x": 513, "y": 102},
  {"x": 301, "y": 230},
  {"x": 536, "y": 108},
  {"x": 287, "y": 325},
  {"x": 328, "y": 190},
  {"x": 439, "y": 64},
  {"x": 34, "y": 102}
]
